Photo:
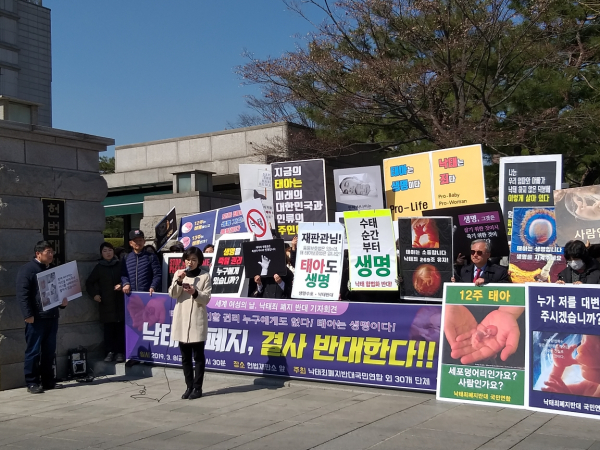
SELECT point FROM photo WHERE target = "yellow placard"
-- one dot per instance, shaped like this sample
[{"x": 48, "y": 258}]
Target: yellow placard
[
  {"x": 457, "y": 176},
  {"x": 407, "y": 182}
]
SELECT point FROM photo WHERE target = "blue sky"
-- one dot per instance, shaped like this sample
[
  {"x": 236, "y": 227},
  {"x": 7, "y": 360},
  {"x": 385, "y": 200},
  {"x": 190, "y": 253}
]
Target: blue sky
[{"x": 143, "y": 70}]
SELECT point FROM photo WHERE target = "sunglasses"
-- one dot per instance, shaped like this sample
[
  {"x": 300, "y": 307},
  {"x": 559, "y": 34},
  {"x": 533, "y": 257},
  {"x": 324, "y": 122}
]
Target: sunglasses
[{"x": 477, "y": 252}]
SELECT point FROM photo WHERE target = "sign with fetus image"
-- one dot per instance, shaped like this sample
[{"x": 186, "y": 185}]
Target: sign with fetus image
[
  {"x": 265, "y": 258},
  {"x": 425, "y": 246},
  {"x": 483, "y": 346},
  {"x": 534, "y": 254},
  {"x": 565, "y": 349},
  {"x": 578, "y": 214}
]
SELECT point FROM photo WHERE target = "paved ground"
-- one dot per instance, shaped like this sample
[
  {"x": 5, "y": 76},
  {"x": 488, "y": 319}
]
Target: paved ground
[{"x": 252, "y": 413}]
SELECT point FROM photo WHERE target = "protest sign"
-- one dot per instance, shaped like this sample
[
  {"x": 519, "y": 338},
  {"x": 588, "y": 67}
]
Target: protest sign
[
  {"x": 386, "y": 345},
  {"x": 57, "y": 284},
  {"x": 483, "y": 344},
  {"x": 339, "y": 217},
  {"x": 358, "y": 188},
  {"x": 534, "y": 255},
  {"x": 319, "y": 261},
  {"x": 255, "y": 183},
  {"x": 172, "y": 262},
  {"x": 431, "y": 180},
  {"x": 198, "y": 230},
  {"x": 408, "y": 188},
  {"x": 264, "y": 258},
  {"x": 255, "y": 219},
  {"x": 229, "y": 220},
  {"x": 53, "y": 229},
  {"x": 578, "y": 214},
  {"x": 527, "y": 181},
  {"x": 371, "y": 250},
  {"x": 227, "y": 270},
  {"x": 476, "y": 222},
  {"x": 299, "y": 190},
  {"x": 425, "y": 246},
  {"x": 564, "y": 341},
  {"x": 457, "y": 177},
  {"x": 165, "y": 229}
]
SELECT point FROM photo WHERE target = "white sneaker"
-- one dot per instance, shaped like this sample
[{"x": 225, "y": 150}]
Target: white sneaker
[{"x": 109, "y": 357}]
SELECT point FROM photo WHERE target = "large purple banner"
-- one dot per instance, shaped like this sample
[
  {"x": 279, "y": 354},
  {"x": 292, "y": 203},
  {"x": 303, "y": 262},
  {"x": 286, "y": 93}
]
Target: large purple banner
[{"x": 390, "y": 345}]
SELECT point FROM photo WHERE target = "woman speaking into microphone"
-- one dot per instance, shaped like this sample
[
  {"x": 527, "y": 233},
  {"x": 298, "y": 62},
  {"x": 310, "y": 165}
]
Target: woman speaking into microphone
[{"x": 191, "y": 289}]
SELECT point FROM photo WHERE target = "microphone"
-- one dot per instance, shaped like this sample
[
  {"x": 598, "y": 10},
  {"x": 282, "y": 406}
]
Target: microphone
[{"x": 187, "y": 269}]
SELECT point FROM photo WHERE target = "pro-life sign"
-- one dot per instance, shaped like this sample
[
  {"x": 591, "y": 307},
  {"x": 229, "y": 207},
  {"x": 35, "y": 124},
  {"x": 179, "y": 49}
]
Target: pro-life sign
[{"x": 256, "y": 219}]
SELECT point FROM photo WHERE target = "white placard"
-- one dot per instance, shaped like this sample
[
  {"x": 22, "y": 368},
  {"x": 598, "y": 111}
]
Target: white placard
[
  {"x": 59, "y": 283},
  {"x": 255, "y": 219}
]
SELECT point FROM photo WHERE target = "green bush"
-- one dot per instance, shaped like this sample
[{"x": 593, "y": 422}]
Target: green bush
[{"x": 116, "y": 242}]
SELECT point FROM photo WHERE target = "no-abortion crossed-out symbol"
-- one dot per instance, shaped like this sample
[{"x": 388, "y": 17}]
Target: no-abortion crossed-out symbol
[{"x": 256, "y": 222}]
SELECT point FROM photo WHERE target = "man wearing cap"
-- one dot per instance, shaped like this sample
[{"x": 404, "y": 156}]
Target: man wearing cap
[{"x": 141, "y": 269}]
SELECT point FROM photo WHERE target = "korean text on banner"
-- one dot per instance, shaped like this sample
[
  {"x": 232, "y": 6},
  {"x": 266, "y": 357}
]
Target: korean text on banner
[
  {"x": 227, "y": 270},
  {"x": 534, "y": 255},
  {"x": 356, "y": 343},
  {"x": 483, "y": 344},
  {"x": 577, "y": 213},
  {"x": 358, "y": 188},
  {"x": 198, "y": 230},
  {"x": 527, "y": 181},
  {"x": 299, "y": 189},
  {"x": 57, "y": 284},
  {"x": 407, "y": 184},
  {"x": 255, "y": 183},
  {"x": 172, "y": 262},
  {"x": 426, "y": 262},
  {"x": 564, "y": 322},
  {"x": 255, "y": 219},
  {"x": 371, "y": 250},
  {"x": 229, "y": 220},
  {"x": 319, "y": 261},
  {"x": 457, "y": 175}
]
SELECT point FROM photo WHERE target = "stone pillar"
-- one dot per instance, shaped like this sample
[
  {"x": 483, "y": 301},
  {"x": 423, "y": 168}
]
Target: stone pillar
[{"x": 38, "y": 162}]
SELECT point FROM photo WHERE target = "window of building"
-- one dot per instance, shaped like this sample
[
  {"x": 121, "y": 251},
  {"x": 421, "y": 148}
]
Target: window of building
[
  {"x": 19, "y": 113},
  {"x": 184, "y": 182}
]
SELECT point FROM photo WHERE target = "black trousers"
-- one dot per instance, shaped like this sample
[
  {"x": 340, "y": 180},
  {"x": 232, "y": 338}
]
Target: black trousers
[
  {"x": 114, "y": 337},
  {"x": 40, "y": 337},
  {"x": 194, "y": 376}
]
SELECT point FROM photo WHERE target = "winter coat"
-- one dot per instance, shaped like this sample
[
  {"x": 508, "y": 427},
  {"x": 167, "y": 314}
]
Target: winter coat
[
  {"x": 28, "y": 293},
  {"x": 493, "y": 273},
  {"x": 591, "y": 274},
  {"x": 141, "y": 271},
  {"x": 190, "y": 320},
  {"x": 102, "y": 281}
]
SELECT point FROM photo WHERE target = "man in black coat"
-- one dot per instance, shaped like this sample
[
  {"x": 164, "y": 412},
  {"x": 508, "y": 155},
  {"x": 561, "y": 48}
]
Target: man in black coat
[
  {"x": 41, "y": 326},
  {"x": 481, "y": 270}
]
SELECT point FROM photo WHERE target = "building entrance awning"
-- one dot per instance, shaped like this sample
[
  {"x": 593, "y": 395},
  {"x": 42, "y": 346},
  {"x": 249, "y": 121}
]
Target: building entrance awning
[{"x": 125, "y": 204}]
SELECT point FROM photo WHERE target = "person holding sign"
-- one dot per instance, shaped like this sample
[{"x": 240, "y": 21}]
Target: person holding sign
[
  {"x": 192, "y": 289},
  {"x": 481, "y": 270},
  {"x": 41, "y": 327},
  {"x": 581, "y": 269}
]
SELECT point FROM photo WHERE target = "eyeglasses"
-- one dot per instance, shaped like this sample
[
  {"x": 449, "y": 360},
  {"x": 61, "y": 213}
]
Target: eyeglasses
[
  {"x": 49, "y": 252},
  {"x": 476, "y": 252}
]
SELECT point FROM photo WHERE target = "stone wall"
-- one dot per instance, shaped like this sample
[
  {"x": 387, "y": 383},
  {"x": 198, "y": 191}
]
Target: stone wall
[{"x": 35, "y": 163}]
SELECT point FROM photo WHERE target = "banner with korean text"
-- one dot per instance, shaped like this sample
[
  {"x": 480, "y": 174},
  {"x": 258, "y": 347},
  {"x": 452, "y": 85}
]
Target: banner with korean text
[
  {"x": 527, "y": 181},
  {"x": 319, "y": 261},
  {"x": 198, "y": 230},
  {"x": 431, "y": 180},
  {"x": 371, "y": 250},
  {"x": 388, "y": 345},
  {"x": 255, "y": 183},
  {"x": 227, "y": 269},
  {"x": 564, "y": 343},
  {"x": 299, "y": 194},
  {"x": 483, "y": 344}
]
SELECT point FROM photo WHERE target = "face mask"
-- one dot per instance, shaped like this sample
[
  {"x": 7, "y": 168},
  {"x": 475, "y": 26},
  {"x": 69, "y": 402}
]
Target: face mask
[{"x": 576, "y": 264}]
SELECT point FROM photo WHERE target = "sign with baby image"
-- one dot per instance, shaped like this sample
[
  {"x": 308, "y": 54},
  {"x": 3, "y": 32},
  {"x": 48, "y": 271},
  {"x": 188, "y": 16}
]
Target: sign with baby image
[
  {"x": 482, "y": 344},
  {"x": 564, "y": 324},
  {"x": 578, "y": 214},
  {"x": 358, "y": 188}
]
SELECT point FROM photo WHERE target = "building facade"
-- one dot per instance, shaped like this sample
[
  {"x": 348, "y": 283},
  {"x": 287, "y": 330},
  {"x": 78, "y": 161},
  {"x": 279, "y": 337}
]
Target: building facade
[{"x": 25, "y": 62}]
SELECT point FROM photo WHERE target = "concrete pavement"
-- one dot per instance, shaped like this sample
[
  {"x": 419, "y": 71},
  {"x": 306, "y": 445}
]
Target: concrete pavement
[{"x": 244, "y": 412}]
